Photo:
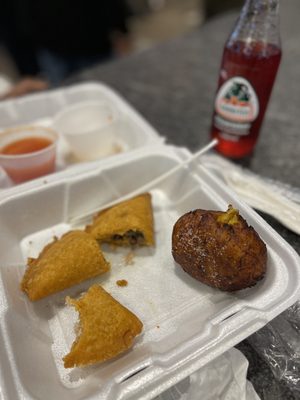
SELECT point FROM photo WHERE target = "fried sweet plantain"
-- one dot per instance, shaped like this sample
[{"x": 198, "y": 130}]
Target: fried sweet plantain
[{"x": 219, "y": 249}]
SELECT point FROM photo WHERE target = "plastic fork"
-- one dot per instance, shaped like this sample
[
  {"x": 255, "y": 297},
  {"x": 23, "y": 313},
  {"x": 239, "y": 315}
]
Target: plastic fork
[{"x": 81, "y": 219}]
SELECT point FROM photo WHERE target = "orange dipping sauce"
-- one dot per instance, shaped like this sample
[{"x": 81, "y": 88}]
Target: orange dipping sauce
[
  {"x": 26, "y": 145},
  {"x": 26, "y": 174},
  {"x": 28, "y": 152}
]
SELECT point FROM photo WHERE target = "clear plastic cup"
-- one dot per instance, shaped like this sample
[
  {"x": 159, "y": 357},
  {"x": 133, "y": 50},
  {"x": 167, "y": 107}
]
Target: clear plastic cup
[
  {"x": 90, "y": 128},
  {"x": 29, "y": 165}
]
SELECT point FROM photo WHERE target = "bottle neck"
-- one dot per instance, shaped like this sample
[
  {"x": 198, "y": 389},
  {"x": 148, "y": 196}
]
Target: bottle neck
[{"x": 258, "y": 22}]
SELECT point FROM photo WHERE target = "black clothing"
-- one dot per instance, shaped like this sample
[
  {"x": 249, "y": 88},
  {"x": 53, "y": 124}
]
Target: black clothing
[{"x": 68, "y": 28}]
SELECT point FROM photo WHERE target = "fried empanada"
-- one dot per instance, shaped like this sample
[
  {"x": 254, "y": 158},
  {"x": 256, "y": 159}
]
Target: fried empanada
[
  {"x": 127, "y": 223},
  {"x": 106, "y": 328},
  {"x": 65, "y": 262}
]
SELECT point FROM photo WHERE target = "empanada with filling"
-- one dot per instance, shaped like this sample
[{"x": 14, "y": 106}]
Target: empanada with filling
[{"x": 127, "y": 223}]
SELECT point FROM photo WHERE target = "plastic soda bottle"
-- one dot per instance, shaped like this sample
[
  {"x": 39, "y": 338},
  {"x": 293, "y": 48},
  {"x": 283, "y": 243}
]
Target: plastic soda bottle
[{"x": 248, "y": 70}]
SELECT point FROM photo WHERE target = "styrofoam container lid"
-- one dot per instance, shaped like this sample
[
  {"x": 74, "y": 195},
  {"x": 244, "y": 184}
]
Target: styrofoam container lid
[
  {"x": 186, "y": 324},
  {"x": 131, "y": 132}
]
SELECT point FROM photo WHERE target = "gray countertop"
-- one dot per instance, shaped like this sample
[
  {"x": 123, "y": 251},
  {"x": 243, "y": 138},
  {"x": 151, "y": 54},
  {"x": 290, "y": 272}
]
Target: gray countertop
[{"x": 173, "y": 87}]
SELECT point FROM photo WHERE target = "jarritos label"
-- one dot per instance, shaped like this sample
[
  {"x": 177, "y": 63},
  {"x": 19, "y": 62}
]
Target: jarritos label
[{"x": 237, "y": 104}]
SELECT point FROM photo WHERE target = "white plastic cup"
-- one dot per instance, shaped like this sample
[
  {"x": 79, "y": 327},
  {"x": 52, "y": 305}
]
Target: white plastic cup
[
  {"x": 90, "y": 129},
  {"x": 27, "y": 166}
]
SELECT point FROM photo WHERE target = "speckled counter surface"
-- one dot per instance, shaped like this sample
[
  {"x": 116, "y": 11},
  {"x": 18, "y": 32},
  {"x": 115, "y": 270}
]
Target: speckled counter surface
[{"x": 173, "y": 87}]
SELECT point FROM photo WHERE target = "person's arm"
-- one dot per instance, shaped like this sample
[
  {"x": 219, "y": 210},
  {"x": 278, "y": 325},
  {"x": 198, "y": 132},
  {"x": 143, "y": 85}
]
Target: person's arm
[{"x": 26, "y": 86}]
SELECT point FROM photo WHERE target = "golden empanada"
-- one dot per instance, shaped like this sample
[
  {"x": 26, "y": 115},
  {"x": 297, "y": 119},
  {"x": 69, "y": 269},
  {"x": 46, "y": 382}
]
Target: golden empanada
[
  {"x": 127, "y": 223},
  {"x": 106, "y": 328},
  {"x": 65, "y": 262}
]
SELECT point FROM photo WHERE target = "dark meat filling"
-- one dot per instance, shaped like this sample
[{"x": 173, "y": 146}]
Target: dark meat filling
[{"x": 133, "y": 237}]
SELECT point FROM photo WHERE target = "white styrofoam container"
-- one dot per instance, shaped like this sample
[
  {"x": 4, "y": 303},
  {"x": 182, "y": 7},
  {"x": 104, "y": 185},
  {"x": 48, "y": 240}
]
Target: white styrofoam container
[
  {"x": 41, "y": 108},
  {"x": 186, "y": 324}
]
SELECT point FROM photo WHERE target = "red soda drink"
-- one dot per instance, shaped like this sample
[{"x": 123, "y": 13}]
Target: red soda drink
[{"x": 249, "y": 66}]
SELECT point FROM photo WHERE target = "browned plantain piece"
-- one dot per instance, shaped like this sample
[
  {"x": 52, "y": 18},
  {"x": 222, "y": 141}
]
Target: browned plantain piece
[
  {"x": 106, "y": 328},
  {"x": 219, "y": 249},
  {"x": 127, "y": 223},
  {"x": 73, "y": 258}
]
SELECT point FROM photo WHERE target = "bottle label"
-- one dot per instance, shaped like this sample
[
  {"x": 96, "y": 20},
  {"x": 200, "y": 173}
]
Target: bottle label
[{"x": 236, "y": 107}]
